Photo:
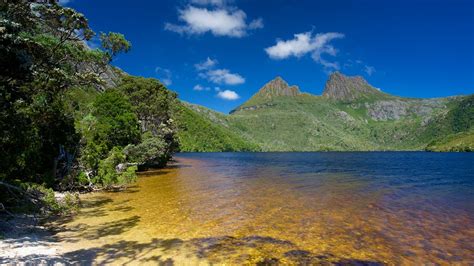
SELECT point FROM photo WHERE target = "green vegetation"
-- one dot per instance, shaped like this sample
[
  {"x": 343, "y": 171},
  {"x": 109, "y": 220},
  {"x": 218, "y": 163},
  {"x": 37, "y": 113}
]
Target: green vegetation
[
  {"x": 70, "y": 120},
  {"x": 304, "y": 122},
  {"x": 203, "y": 130},
  {"x": 453, "y": 131},
  {"x": 460, "y": 142}
]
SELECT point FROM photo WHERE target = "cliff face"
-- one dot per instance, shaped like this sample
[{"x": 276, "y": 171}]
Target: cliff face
[
  {"x": 277, "y": 87},
  {"x": 342, "y": 88}
]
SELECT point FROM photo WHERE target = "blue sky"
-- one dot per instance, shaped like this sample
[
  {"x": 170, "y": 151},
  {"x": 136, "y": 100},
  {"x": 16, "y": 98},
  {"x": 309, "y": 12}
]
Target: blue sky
[{"x": 218, "y": 53}]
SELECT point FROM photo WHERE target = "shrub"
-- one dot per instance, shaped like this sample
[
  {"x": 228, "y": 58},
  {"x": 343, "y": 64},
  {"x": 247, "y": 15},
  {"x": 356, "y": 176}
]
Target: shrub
[
  {"x": 151, "y": 152},
  {"x": 108, "y": 174}
]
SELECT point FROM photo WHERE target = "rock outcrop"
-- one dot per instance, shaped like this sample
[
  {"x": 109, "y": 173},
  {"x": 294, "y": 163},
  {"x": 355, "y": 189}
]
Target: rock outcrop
[
  {"x": 344, "y": 88},
  {"x": 277, "y": 87}
]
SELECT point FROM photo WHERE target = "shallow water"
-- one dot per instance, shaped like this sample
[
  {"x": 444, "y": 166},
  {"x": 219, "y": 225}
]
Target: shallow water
[{"x": 292, "y": 208}]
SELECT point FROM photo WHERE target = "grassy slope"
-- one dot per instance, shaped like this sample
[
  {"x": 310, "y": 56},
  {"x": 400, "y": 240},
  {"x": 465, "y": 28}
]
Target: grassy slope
[
  {"x": 309, "y": 123},
  {"x": 314, "y": 123},
  {"x": 454, "y": 130},
  {"x": 463, "y": 141},
  {"x": 204, "y": 130},
  {"x": 301, "y": 123}
]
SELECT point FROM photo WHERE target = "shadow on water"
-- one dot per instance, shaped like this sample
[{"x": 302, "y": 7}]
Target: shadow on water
[
  {"x": 225, "y": 249},
  {"x": 255, "y": 249},
  {"x": 162, "y": 171},
  {"x": 259, "y": 250}
]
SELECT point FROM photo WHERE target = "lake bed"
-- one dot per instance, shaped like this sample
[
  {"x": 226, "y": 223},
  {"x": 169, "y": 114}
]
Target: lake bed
[{"x": 369, "y": 207}]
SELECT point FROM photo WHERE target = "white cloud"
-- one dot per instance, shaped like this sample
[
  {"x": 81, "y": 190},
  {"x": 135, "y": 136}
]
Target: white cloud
[
  {"x": 256, "y": 24},
  {"x": 369, "y": 70},
  {"x": 223, "y": 76},
  {"x": 206, "y": 64},
  {"x": 208, "y": 71},
  {"x": 304, "y": 43},
  {"x": 201, "y": 88},
  {"x": 228, "y": 95},
  {"x": 165, "y": 75},
  {"x": 298, "y": 46},
  {"x": 222, "y": 21}
]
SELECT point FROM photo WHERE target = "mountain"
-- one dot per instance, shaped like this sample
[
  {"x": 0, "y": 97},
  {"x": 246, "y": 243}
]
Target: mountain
[
  {"x": 349, "y": 115},
  {"x": 204, "y": 130},
  {"x": 343, "y": 88},
  {"x": 273, "y": 89}
]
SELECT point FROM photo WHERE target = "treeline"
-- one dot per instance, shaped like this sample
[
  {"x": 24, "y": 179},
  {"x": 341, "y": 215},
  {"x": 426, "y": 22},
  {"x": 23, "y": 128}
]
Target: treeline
[{"x": 68, "y": 119}]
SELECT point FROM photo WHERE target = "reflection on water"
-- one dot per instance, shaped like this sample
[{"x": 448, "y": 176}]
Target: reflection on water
[{"x": 290, "y": 208}]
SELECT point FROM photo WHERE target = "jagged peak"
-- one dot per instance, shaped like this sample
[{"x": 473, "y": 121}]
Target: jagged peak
[
  {"x": 347, "y": 88},
  {"x": 278, "y": 87}
]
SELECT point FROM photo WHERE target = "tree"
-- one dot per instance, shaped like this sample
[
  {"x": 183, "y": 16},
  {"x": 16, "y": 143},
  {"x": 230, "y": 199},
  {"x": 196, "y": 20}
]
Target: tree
[
  {"x": 155, "y": 107},
  {"x": 114, "y": 43},
  {"x": 42, "y": 56},
  {"x": 111, "y": 123}
]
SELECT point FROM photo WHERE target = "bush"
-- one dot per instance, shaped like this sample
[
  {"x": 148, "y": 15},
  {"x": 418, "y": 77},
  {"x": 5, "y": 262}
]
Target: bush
[
  {"x": 45, "y": 199},
  {"x": 108, "y": 174},
  {"x": 151, "y": 152},
  {"x": 110, "y": 124}
]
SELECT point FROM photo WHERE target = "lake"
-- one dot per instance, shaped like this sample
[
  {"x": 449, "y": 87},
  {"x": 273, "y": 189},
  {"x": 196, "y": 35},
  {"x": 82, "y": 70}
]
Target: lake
[{"x": 291, "y": 208}]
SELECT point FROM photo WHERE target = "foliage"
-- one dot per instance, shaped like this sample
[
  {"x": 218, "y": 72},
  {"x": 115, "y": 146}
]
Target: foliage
[
  {"x": 111, "y": 123},
  {"x": 33, "y": 197},
  {"x": 155, "y": 107},
  {"x": 199, "y": 133},
  {"x": 459, "y": 118},
  {"x": 152, "y": 151},
  {"x": 459, "y": 142},
  {"x": 117, "y": 124},
  {"x": 108, "y": 174},
  {"x": 42, "y": 56},
  {"x": 313, "y": 123},
  {"x": 114, "y": 43}
]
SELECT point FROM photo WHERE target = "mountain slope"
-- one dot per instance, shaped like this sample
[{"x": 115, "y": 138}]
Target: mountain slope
[
  {"x": 350, "y": 115},
  {"x": 203, "y": 130},
  {"x": 463, "y": 141},
  {"x": 272, "y": 90},
  {"x": 347, "y": 89}
]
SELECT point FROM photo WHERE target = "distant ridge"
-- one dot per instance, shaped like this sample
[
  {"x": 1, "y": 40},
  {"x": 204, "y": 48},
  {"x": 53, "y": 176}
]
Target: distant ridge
[
  {"x": 350, "y": 115},
  {"x": 339, "y": 87}
]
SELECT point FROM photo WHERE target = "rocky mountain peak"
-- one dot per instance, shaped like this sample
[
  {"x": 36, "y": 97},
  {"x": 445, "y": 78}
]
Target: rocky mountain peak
[
  {"x": 341, "y": 87},
  {"x": 278, "y": 87}
]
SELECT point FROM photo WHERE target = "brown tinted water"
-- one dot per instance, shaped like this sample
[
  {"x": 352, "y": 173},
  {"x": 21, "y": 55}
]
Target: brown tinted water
[{"x": 250, "y": 208}]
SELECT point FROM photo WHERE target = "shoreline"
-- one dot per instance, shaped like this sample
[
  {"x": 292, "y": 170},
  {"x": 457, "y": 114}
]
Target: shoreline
[
  {"x": 28, "y": 238},
  {"x": 159, "y": 220}
]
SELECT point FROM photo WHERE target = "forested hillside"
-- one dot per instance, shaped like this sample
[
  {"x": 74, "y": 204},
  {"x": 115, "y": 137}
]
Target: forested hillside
[{"x": 203, "y": 130}]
